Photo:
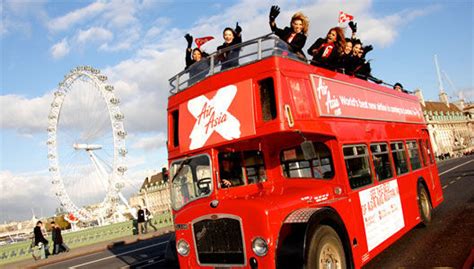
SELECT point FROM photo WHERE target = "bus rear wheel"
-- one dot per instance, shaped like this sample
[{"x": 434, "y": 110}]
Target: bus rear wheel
[
  {"x": 424, "y": 205},
  {"x": 325, "y": 250}
]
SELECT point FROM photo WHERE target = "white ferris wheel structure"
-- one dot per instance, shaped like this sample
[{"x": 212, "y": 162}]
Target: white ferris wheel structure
[{"x": 86, "y": 146}]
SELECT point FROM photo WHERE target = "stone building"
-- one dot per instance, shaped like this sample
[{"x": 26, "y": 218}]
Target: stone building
[
  {"x": 154, "y": 194},
  {"x": 449, "y": 126}
]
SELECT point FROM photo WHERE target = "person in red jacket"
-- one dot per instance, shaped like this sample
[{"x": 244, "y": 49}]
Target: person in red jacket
[
  {"x": 294, "y": 36},
  {"x": 326, "y": 51}
]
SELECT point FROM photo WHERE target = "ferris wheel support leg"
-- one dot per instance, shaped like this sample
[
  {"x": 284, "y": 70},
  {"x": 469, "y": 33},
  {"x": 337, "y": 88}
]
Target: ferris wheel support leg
[
  {"x": 134, "y": 214},
  {"x": 99, "y": 168}
]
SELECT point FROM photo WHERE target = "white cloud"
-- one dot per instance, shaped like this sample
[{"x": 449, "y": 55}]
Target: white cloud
[
  {"x": 60, "y": 49},
  {"x": 24, "y": 115},
  {"x": 125, "y": 40},
  {"x": 150, "y": 143},
  {"x": 19, "y": 17},
  {"x": 121, "y": 13},
  {"x": 94, "y": 35},
  {"x": 77, "y": 16},
  {"x": 29, "y": 194}
]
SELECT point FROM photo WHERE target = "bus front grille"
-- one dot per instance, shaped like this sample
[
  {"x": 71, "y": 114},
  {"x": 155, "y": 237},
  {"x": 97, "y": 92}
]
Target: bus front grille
[{"x": 219, "y": 241}]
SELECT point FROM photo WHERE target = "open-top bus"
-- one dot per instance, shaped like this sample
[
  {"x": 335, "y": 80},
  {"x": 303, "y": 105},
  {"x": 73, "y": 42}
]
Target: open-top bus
[{"x": 280, "y": 164}]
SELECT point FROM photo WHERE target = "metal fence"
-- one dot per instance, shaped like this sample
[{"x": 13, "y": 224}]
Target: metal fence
[
  {"x": 250, "y": 51},
  {"x": 22, "y": 250}
]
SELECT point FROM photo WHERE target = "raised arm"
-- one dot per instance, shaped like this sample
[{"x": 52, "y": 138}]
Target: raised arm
[{"x": 189, "y": 60}]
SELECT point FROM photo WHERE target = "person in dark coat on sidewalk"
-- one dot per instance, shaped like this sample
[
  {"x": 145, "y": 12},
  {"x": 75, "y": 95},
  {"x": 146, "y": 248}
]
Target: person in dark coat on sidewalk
[
  {"x": 57, "y": 238},
  {"x": 230, "y": 58},
  {"x": 39, "y": 238},
  {"x": 141, "y": 220},
  {"x": 294, "y": 36}
]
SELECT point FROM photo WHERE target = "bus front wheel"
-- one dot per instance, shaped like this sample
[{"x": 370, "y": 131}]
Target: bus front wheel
[
  {"x": 424, "y": 204},
  {"x": 325, "y": 250}
]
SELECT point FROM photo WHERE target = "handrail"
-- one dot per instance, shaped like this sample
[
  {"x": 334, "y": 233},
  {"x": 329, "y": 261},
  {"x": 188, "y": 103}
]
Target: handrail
[
  {"x": 22, "y": 250},
  {"x": 275, "y": 46}
]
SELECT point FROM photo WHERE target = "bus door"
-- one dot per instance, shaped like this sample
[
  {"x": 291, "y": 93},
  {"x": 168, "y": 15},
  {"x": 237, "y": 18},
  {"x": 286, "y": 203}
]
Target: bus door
[
  {"x": 359, "y": 174},
  {"x": 427, "y": 156}
]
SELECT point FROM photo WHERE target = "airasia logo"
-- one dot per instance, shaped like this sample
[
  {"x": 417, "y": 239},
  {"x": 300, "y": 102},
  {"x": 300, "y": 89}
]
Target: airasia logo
[{"x": 213, "y": 116}]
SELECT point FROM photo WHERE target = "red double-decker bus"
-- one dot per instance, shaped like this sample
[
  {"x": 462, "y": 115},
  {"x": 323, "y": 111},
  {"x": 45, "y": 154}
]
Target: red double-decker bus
[{"x": 276, "y": 163}]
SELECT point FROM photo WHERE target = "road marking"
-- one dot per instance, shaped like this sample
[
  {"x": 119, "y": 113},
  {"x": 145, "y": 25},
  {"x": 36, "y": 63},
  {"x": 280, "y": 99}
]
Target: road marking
[
  {"x": 140, "y": 264},
  {"x": 452, "y": 181},
  {"x": 146, "y": 265},
  {"x": 445, "y": 186},
  {"x": 455, "y": 167},
  {"x": 113, "y": 256}
]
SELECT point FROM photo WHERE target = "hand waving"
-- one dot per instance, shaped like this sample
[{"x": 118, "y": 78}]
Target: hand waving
[
  {"x": 274, "y": 12},
  {"x": 189, "y": 38},
  {"x": 238, "y": 29},
  {"x": 353, "y": 26}
]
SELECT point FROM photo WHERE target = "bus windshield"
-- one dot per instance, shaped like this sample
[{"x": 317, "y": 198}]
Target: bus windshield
[{"x": 191, "y": 180}]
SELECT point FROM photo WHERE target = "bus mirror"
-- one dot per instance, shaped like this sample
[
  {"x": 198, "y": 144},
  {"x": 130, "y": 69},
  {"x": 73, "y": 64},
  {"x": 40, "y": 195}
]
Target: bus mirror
[{"x": 308, "y": 150}]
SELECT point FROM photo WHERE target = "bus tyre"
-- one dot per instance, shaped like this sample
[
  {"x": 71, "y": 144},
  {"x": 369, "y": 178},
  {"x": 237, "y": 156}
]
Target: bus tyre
[
  {"x": 325, "y": 250},
  {"x": 424, "y": 205}
]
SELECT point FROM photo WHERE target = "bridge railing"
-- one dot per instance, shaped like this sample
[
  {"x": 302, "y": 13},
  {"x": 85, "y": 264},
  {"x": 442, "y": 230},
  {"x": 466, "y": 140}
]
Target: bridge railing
[{"x": 22, "y": 250}]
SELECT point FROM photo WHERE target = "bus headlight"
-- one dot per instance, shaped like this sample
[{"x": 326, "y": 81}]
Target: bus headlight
[
  {"x": 182, "y": 247},
  {"x": 260, "y": 246}
]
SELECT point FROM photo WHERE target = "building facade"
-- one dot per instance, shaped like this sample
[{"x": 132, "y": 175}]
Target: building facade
[
  {"x": 154, "y": 194},
  {"x": 449, "y": 125}
]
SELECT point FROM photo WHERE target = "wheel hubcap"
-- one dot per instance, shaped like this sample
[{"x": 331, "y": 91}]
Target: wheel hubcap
[{"x": 330, "y": 258}]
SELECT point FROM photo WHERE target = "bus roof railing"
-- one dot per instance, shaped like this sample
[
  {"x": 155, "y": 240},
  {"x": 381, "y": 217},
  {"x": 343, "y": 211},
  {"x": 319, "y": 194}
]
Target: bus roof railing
[{"x": 250, "y": 51}]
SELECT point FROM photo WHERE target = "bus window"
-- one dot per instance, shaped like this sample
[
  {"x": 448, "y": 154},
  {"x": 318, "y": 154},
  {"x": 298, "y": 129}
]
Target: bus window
[
  {"x": 267, "y": 99},
  {"x": 175, "y": 117},
  {"x": 428, "y": 151},
  {"x": 230, "y": 169},
  {"x": 357, "y": 165},
  {"x": 294, "y": 165},
  {"x": 414, "y": 155},
  {"x": 254, "y": 166},
  {"x": 399, "y": 157},
  {"x": 239, "y": 168},
  {"x": 381, "y": 160},
  {"x": 424, "y": 154}
]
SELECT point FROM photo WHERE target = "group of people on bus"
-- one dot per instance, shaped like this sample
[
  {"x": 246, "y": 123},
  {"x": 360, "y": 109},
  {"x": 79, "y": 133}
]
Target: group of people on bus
[{"x": 334, "y": 52}]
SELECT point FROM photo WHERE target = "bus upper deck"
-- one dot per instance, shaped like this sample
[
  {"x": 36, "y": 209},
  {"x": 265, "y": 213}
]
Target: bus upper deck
[{"x": 278, "y": 91}]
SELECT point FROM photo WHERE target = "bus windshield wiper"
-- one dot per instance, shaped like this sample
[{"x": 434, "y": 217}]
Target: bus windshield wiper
[{"x": 181, "y": 165}]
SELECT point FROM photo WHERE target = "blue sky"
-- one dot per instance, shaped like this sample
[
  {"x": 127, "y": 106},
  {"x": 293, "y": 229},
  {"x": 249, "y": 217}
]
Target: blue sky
[{"x": 139, "y": 45}]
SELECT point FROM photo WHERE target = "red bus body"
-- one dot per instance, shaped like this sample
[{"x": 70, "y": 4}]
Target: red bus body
[{"x": 233, "y": 111}]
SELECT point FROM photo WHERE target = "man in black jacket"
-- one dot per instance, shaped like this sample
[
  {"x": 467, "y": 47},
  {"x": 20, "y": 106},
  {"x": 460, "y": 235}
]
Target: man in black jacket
[
  {"x": 57, "y": 238},
  {"x": 40, "y": 241},
  {"x": 140, "y": 220}
]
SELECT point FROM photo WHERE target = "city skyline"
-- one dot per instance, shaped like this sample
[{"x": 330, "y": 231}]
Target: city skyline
[{"x": 139, "y": 45}]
